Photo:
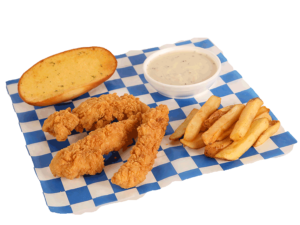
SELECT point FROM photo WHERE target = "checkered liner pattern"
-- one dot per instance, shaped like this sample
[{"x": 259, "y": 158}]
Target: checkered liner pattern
[{"x": 174, "y": 162}]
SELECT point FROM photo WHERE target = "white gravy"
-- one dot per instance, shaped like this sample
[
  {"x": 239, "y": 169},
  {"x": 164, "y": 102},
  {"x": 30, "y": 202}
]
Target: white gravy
[{"x": 181, "y": 68}]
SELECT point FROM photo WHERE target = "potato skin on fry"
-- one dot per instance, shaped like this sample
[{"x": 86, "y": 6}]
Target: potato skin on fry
[
  {"x": 213, "y": 149},
  {"x": 264, "y": 115},
  {"x": 238, "y": 148},
  {"x": 222, "y": 124},
  {"x": 214, "y": 117},
  {"x": 273, "y": 128},
  {"x": 246, "y": 118}
]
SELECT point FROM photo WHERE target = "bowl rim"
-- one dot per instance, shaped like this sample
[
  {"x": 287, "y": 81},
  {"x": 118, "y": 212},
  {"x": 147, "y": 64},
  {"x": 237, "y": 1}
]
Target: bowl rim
[{"x": 179, "y": 48}]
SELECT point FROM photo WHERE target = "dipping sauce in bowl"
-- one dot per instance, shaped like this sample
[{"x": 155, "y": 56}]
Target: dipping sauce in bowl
[
  {"x": 181, "y": 68},
  {"x": 182, "y": 71}
]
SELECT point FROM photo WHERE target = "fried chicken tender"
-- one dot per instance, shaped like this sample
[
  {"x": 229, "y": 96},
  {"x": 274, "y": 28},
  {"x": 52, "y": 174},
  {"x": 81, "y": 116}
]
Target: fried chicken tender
[
  {"x": 86, "y": 155},
  {"x": 92, "y": 111},
  {"x": 60, "y": 124},
  {"x": 143, "y": 154},
  {"x": 96, "y": 113}
]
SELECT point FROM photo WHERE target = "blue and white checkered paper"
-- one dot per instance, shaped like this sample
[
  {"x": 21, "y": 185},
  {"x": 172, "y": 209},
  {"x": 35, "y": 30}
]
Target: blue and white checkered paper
[{"x": 174, "y": 162}]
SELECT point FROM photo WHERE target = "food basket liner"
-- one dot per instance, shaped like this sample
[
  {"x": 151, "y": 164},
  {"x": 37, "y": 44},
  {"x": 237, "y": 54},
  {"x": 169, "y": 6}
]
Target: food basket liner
[{"x": 174, "y": 162}]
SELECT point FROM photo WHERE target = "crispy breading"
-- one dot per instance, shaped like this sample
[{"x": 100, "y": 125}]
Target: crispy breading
[
  {"x": 60, "y": 124},
  {"x": 93, "y": 110},
  {"x": 143, "y": 154},
  {"x": 86, "y": 155},
  {"x": 96, "y": 113}
]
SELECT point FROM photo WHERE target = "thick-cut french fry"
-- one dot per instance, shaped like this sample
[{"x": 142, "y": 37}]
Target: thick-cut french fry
[
  {"x": 238, "y": 148},
  {"x": 181, "y": 129},
  {"x": 226, "y": 108},
  {"x": 222, "y": 124},
  {"x": 214, "y": 117},
  {"x": 226, "y": 133},
  {"x": 203, "y": 128},
  {"x": 264, "y": 115},
  {"x": 246, "y": 118},
  {"x": 213, "y": 149},
  {"x": 194, "y": 126},
  {"x": 273, "y": 128},
  {"x": 194, "y": 144},
  {"x": 262, "y": 110}
]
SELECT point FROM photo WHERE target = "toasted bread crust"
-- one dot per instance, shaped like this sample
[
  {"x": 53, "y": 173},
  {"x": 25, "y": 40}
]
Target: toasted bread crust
[{"x": 70, "y": 93}]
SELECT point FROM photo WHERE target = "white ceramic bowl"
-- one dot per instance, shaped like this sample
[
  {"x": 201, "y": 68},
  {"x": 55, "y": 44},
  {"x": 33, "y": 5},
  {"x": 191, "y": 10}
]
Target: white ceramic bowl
[{"x": 182, "y": 91}]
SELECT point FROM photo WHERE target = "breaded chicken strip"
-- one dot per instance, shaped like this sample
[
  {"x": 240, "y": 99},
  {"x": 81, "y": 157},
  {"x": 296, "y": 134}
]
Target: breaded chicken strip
[
  {"x": 86, "y": 155},
  {"x": 143, "y": 154},
  {"x": 93, "y": 113},
  {"x": 93, "y": 110},
  {"x": 98, "y": 112}
]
